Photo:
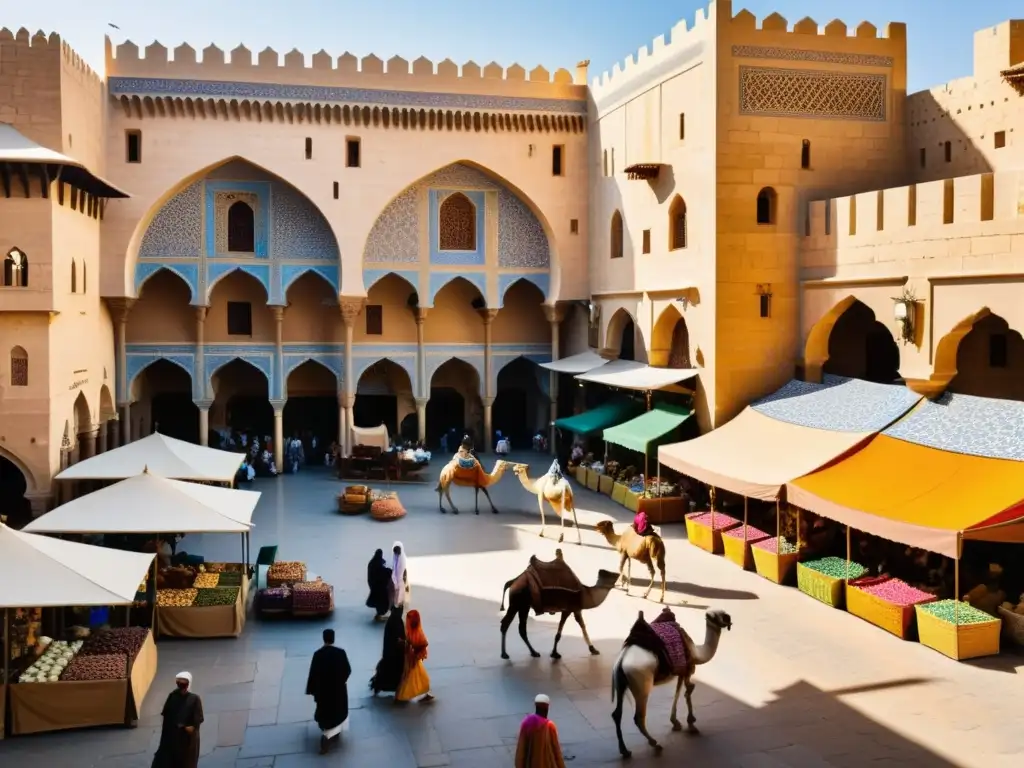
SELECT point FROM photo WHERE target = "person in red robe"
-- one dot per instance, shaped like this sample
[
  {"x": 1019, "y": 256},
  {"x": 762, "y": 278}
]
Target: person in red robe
[{"x": 538, "y": 745}]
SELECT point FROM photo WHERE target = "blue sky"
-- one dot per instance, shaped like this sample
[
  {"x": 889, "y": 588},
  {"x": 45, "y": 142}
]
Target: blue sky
[{"x": 554, "y": 33}]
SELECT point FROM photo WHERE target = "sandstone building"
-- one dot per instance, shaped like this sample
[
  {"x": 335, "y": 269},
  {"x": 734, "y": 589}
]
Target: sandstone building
[{"x": 197, "y": 240}]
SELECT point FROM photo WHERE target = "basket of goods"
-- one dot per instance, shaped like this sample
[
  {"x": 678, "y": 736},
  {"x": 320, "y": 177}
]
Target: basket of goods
[
  {"x": 736, "y": 544},
  {"x": 1013, "y": 621},
  {"x": 178, "y": 577},
  {"x": 312, "y": 598},
  {"x": 387, "y": 509},
  {"x": 52, "y": 663},
  {"x": 824, "y": 579},
  {"x": 274, "y": 600},
  {"x": 206, "y": 581},
  {"x": 354, "y": 500},
  {"x": 606, "y": 481},
  {"x": 229, "y": 579},
  {"x": 176, "y": 598},
  {"x": 124, "y": 640},
  {"x": 957, "y": 630},
  {"x": 284, "y": 573},
  {"x": 705, "y": 529},
  {"x": 102, "y": 666},
  {"x": 886, "y": 602},
  {"x": 774, "y": 558},
  {"x": 223, "y": 567},
  {"x": 208, "y": 598}
]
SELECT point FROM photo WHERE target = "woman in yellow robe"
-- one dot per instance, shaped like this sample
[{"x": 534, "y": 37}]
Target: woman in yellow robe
[{"x": 415, "y": 680}]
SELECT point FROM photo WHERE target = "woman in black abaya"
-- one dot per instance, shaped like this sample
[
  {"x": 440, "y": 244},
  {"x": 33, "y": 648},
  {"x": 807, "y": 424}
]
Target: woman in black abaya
[
  {"x": 392, "y": 663},
  {"x": 378, "y": 577}
]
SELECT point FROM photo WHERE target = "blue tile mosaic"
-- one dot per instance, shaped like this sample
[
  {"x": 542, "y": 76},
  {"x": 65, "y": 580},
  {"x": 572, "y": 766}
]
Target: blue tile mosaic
[
  {"x": 177, "y": 229},
  {"x": 521, "y": 238},
  {"x": 506, "y": 281},
  {"x": 216, "y": 222},
  {"x": 396, "y": 232},
  {"x": 298, "y": 228},
  {"x": 974, "y": 426},
  {"x": 187, "y": 272},
  {"x": 839, "y": 405},
  {"x": 155, "y": 86}
]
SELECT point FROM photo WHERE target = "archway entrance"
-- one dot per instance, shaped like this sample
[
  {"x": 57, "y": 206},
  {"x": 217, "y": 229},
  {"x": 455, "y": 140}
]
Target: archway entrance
[
  {"x": 454, "y": 402},
  {"x": 13, "y": 487},
  {"x": 670, "y": 340},
  {"x": 627, "y": 342},
  {"x": 520, "y": 408},
  {"x": 242, "y": 399},
  {"x": 165, "y": 391},
  {"x": 384, "y": 396},
  {"x": 990, "y": 361},
  {"x": 312, "y": 407},
  {"x": 860, "y": 347}
]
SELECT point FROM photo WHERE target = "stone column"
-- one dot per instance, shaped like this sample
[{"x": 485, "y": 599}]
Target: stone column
[
  {"x": 278, "y": 434},
  {"x": 421, "y": 419},
  {"x": 114, "y": 427},
  {"x": 40, "y": 502},
  {"x": 204, "y": 421},
  {"x": 342, "y": 420},
  {"x": 350, "y": 420},
  {"x": 279, "y": 342},
  {"x": 420, "y": 313},
  {"x": 487, "y": 395},
  {"x": 555, "y": 314},
  {"x": 488, "y": 424},
  {"x": 199, "y": 385},
  {"x": 87, "y": 444},
  {"x": 104, "y": 432},
  {"x": 119, "y": 309},
  {"x": 351, "y": 308}
]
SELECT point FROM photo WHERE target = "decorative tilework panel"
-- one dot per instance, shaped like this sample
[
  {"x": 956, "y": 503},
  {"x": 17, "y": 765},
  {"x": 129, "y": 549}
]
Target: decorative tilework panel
[
  {"x": 292, "y": 272},
  {"x": 371, "y": 276},
  {"x": 456, "y": 258},
  {"x": 155, "y": 86},
  {"x": 801, "y": 54},
  {"x": 841, "y": 405},
  {"x": 460, "y": 175},
  {"x": 219, "y": 197},
  {"x": 542, "y": 281},
  {"x": 217, "y": 270},
  {"x": 177, "y": 229},
  {"x": 298, "y": 229},
  {"x": 804, "y": 93},
  {"x": 187, "y": 272},
  {"x": 521, "y": 238},
  {"x": 396, "y": 233},
  {"x": 439, "y": 280},
  {"x": 974, "y": 426}
]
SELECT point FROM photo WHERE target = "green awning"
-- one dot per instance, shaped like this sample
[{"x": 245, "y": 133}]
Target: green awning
[
  {"x": 600, "y": 418},
  {"x": 649, "y": 430}
]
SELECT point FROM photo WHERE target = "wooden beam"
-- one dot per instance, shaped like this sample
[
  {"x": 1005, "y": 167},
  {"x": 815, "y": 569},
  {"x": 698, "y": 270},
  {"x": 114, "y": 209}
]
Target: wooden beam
[
  {"x": 44, "y": 178},
  {"x": 23, "y": 175},
  {"x": 5, "y": 174}
]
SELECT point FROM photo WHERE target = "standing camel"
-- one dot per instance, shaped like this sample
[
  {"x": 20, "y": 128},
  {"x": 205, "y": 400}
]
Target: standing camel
[
  {"x": 552, "y": 587},
  {"x": 649, "y": 550},
  {"x": 467, "y": 473},
  {"x": 639, "y": 670},
  {"x": 555, "y": 489}
]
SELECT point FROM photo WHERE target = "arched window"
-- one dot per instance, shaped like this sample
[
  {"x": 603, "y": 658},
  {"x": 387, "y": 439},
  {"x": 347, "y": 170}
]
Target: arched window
[
  {"x": 74, "y": 277},
  {"x": 616, "y": 235},
  {"x": 84, "y": 289},
  {"x": 677, "y": 224},
  {"x": 805, "y": 154},
  {"x": 766, "y": 199},
  {"x": 19, "y": 367},
  {"x": 16, "y": 269},
  {"x": 241, "y": 228},
  {"x": 456, "y": 224}
]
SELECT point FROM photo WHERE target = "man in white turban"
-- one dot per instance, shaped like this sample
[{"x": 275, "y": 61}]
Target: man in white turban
[
  {"x": 179, "y": 738},
  {"x": 538, "y": 745}
]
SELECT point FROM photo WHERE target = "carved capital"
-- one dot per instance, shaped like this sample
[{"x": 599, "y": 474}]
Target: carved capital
[
  {"x": 420, "y": 313},
  {"x": 346, "y": 400},
  {"x": 120, "y": 307},
  {"x": 350, "y": 308},
  {"x": 278, "y": 312},
  {"x": 201, "y": 313},
  {"x": 487, "y": 315},
  {"x": 278, "y": 406},
  {"x": 488, "y": 401},
  {"x": 555, "y": 313},
  {"x": 421, "y": 402},
  {"x": 203, "y": 405}
]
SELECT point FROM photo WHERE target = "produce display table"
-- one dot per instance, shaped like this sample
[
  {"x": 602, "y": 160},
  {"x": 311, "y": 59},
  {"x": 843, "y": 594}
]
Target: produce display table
[
  {"x": 67, "y": 704},
  {"x": 974, "y": 634},
  {"x": 605, "y": 484},
  {"x": 736, "y": 543},
  {"x": 302, "y": 599},
  {"x": 205, "y": 621},
  {"x": 705, "y": 529},
  {"x": 772, "y": 561},
  {"x": 824, "y": 579},
  {"x": 886, "y": 602}
]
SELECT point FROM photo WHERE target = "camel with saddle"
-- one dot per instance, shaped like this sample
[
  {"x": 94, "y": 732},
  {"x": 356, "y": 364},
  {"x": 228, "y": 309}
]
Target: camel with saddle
[{"x": 465, "y": 470}]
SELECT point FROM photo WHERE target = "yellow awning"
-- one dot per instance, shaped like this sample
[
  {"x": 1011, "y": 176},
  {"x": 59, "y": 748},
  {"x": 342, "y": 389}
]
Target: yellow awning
[{"x": 916, "y": 495}]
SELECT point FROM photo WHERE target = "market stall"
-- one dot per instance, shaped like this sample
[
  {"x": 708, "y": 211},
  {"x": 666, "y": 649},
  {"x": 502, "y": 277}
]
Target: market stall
[
  {"x": 293, "y": 591},
  {"x": 100, "y": 680},
  {"x": 574, "y": 364},
  {"x": 189, "y": 603}
]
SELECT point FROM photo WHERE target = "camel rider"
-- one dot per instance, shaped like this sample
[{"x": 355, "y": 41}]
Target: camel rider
[
  {"x": 642, "y": 525},
  {"x": 464, "y": 456},
  {"x": 555, "y": 471}
]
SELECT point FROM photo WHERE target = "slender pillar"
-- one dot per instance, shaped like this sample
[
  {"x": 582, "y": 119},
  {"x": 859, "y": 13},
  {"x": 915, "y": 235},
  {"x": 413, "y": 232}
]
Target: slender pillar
[
  {"x": 488, "y": 424},
  {"x": 487, "y": 395},
  {"x": 422, "y": 389},
  {"x": 421, "y": 419},
  {"x": 342, "y": 420},
  {"x": 119, "y": 309},
  {"x": 199, "y": 385},
  {"x": 204, "y": 421},
  {"x": 278, "y": 434},
  {"x": 101, "y": 438},
  {"x": 279, "y": 342},
  {"x": 114, "y": 428},
  {"x": 350, "y": 311},
  {"x": 555, "y": 314},
  {"x": 87, "y": 444}
]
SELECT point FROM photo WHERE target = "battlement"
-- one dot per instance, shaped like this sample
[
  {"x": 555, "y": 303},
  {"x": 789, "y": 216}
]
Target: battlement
[
  {"x": 685, "y": 43},
  {"x": 943, "y": 209},
  {"x": 321, "y": 69},
  {"x": 41, "y": 44}
]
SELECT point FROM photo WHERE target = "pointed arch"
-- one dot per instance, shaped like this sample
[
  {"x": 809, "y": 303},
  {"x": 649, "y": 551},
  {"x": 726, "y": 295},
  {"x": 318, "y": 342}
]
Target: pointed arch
[
  {"x": 290, "y": 276},
  {"x": 670, "y": 340},
  {"x": 19, "y": 367},
  {"x": 294, "y": 363},
  {"x": 620, "y": 320},
  {"x": 767, "y": 206},
  {"x": 435, "y": 364},
  {"x": 30, "y": 478},
  {"x": 406, "y": 362},
  {"x": 137, "y": 365},
  {"x": 16, "y": 269},
  {"x": 373, "y": 276},
  {"x": 146, "y": 270},
  {"x": 677, "y": 224},
  {"x": 241, "y": 228},
  {"x": 850, "y": 341},
  {"x": 107, "y": 409},
  {"x": 816, "y": 346},
  {"x": 440, "y": 280},
  {"x": 253, "y": 271},
  {"x": 948, "y": 346},
  {"x": 616, "y": 236},
  {"x": 456, "y": 219},
  {"x": 506, "y": 282},
  {"x": 83, "y": 413}
]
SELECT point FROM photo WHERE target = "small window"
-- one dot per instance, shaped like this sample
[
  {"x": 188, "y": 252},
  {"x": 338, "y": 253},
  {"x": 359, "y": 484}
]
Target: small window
[
  {"x": 309, "y": 148},
  {"x": 766, "y": 305},
  {"x": 74, "y": 277},
  {"x": 456, "y": 222},
  {"x": 922, "y": 154},
  {"x": 337, "y": 190},
  {"x": 241, "y": 228},
  {"x": 805, "y": 155},
  {"x": 558, "y": 160},
  {"x": 352, "y": 158},
  {"x": 84, "y": 289},
  {"x": 647, "y": 241},
  {"x": 682, "y": 126},
  {"x": 239, "y": 318},
  {"x": 604, "y": 163},
  {"x": 1000, "y": 139},
  {"x": 766, "y": 206},
  {"x": 16, "y": 269},
  {"x": 574, "y": 226},
  {"x": 616, "y": 236},
  {"x": 948, "y": 150},
  {"x": 374, "y": 320},
  {"x": 19, "y": 367},
  {"x": 677, "y": 224},
  {"x": 133, "y": 146},
  {"x": 998, "y": 350}
]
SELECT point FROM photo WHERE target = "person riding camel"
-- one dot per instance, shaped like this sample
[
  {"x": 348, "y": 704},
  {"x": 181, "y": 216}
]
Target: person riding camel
[{"x": 642, "y": 525}]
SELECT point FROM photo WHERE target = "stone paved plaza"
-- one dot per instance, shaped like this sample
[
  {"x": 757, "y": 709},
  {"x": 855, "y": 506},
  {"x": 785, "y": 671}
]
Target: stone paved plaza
[{"x": 795, "y": 683}]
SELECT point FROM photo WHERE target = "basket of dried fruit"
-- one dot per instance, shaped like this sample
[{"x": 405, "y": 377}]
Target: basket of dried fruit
[
  {"x": 736, "y": 543},
  {"x": 284, "y": 573},
  {"x": 705, "y": 529},
  {"x": 176, "y": 598},
  {"x": 387, "y": 509},
  {"x": 886, "y": 602},
  {"x": 206, "y": 581},
  {"x": 824, "y": 579},
  {"x": 958, "y": 631},
  {"x": 774, "y": 558},
  {"x": 312, "y": 598}
]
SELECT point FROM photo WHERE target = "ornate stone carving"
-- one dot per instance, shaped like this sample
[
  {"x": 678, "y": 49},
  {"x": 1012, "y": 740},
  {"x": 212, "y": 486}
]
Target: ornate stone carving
[
  {"x": 799, "y": 54},
  {"x": 351, "y": 309},
  {"x": 805, "y": 93},
  {"x": 420, "y": 313},
  {"x": 487, "y": 315},
  {"x": 555, "y": 313}
]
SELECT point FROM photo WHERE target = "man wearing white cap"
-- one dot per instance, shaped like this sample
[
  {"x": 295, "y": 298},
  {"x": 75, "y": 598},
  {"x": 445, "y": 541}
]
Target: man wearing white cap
[
  {"x": 179, "y": 739},
  {"x": 538, "y": 745}
]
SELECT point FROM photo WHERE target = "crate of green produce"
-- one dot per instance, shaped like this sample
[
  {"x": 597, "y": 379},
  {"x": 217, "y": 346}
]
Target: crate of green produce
[
  {"x": 216, "y": 596},
  {"x": 230, "y": 579},
  {"x": 959, "y": 631},
  {"x": 824, "y": 579}
]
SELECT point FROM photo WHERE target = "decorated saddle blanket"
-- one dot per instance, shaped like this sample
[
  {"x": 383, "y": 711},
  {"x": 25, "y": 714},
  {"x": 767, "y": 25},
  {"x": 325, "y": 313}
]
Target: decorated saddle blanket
[
  {"x": 466, "y": 462},
  {"x": 664, "y": 638},
  {"x": 553, "y": 586}
]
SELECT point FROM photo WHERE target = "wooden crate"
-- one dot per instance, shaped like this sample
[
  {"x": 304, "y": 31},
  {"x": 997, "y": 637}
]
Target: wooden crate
[
  {"x": 739, "y": 552},
  {"x": 605, "y": 484},
  {"x": 975, "y": 640},
  {"x": 632, "y": 501},
  {"x": 580, "y": 473},
  {"x": 822, "y": 588},
  {"x": 773, "y": 566},
  {"x": 619, "y": 491},
  {"x": 897, "y": 619},
  {"x": 701, "y": 535},
  {"x": 592, "y": 480},
  {"x": 667, "y": 509}
]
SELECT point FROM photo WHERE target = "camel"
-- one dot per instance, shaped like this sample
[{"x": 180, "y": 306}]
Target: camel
[
  {"x": 649, "y": 550},
  {"x": 552, "y": 587},
  {"x": 554, "y": 489},
  {"x": 467, "y": 472},
  {"x": 636, "y": 669}
]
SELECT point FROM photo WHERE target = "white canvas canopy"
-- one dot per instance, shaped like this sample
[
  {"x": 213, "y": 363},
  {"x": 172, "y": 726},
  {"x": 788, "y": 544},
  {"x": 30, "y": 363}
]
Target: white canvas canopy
[
  {"x": 627, "y": 374},
  {"x": 580, "y": 363},
  {"x": 161, "y": 455},
  {"x": 41, "y": 572},
  {"x": 373, "y": 436},
  {"x": 148, "y": 503}
]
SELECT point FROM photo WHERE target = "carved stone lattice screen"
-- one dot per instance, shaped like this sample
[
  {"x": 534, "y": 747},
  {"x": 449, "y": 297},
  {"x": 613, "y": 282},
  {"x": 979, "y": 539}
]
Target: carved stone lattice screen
[
  {"x": 457, "y": 225},
  {"x": 805, "y": 93}
]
